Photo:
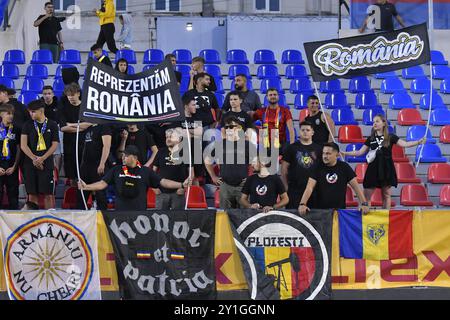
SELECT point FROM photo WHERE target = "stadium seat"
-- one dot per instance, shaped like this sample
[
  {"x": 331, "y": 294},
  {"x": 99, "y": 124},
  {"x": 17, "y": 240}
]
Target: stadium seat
[
  {"x": 384, "y": 75},
  {"x": 300, "y": 85},
  {"x": 217, "y": 198},
  {"x": 271, "y": 83},
  {"x": 330, "y": 86},
  {"x": 350, "y": 134},
  {"x": 354, "y": 147},
  {"x": 131, "y": 69},
  {"x": 438, "y": 58},
  {"x": 417, "y": 132},
  {"x": 360, "y": 171},
  {"x": 281, "y": 102},
  {"x": 369, "y": 114},
  {"x": 444, "y": 136},
  {"x": 440, "y": 72},
  {"x": 291, "y": 56},
  {"x": 70, "y": 57},
  {"x": 301, "y": 100},
  {"x": 126, "y": 54},
  {"x": 439, "y": 173},
  {"x": 151, "y": 199},
  {"x": 33, "y": 85},
  {"x": 413, "y": 72},
  {"x": 359, "y": 84},
  {"x": 213, "y": 70},
  {"x": 183, "y": 56},
  {"x": 445, "y": 86},
  {"x": 149, "y": 66},
  {"x": 267, "y": 71},
  {"x": 343, "y": 116},
  {"x": 7, "y": 82},
  {"x": 58, "y": 87},
  {"x": 249, "y": 85},
  {"x": 220, "y": 99},
  {"x": 436, "y": 102},
  {"x": 364, "y": 100},
  {"x": 401, "y": 100},
  {"x": 349, "y": 198},
  {"x": 377, "y": 199},
  {"x": 184, "y": 69},
  {"x": 27, "y": 97},
  {"x": 90, "y": 55},
  {"x": 37, "y": 71},
  {"x": 70, "y": 198},
  {"x": 303, "y": 114},
  {"x": 211, "y": 56},
  {"x": 197, "y": 198},
  {"x": 236, "y": 69},
  {"x": 9, "y": 71},
  {"x": 414, "y": 195},
  {"x": 391, "y": 85},
  {"x": 153, "y": 56},
  {"x": 431, "y": 154},
  {"x": 406, "y": 173},
  {"x": 409, "y": 117},
  {"x": 440, "y": 117},
  {"x": 335, "y": 100},
  {"x": 219, "y": 85},
  {"x": 58, "y": 73},
  {"x": 14, "y": 57},
  {"x": 420, "y": 85},
  {"x": 237, "y": 56},
  {"x": 42, "y": 57},
  {"x": 264, "y": 56},
  {"x": 398, "y": 154},
  {"x": 444, "y": 196},
  {"x": 295, "y": 71}
]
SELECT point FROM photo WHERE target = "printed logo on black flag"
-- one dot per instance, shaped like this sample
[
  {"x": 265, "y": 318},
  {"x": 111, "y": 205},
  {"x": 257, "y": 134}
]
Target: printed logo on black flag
[
  {"x": 368, "y": 54},
  {"x": 149, "y": 96}
]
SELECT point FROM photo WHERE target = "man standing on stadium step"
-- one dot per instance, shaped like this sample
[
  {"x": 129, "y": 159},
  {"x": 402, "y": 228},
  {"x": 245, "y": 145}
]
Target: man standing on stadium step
[
  {"x": 250, "y": 99},
  {"x": 319, "y": 120},
  {"x": 107, "y": 15},
  {"x": 20, "y": 113},
  {"x": 387, "y": 12}
]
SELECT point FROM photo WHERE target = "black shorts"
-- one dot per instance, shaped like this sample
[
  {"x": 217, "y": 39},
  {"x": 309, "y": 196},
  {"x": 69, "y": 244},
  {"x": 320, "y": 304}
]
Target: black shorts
[{"x": 39, "y": 181}]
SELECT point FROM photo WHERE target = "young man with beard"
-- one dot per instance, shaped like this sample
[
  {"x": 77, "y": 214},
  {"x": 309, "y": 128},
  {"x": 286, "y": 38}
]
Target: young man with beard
[
  {"x": 299, "y": 162},
  {"x": 250, "y": 99},
  {"x": 173, "y": 60},
  {"x": 319, "y": 121},
  {"x": 51, "y": 103}
]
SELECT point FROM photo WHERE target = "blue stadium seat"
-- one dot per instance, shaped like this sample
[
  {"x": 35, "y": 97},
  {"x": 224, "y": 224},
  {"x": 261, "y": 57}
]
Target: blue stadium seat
[
  {"x": 184, "y": 85},
  {"x": 153, "y": 56},
  {"x": 417, "y": 132},
  {"x": 438, "y": 58},
  {"x": 237, "y": 56},
  {"x": 58, "y": 87},
  {"x": 9, "y": 71},
  {"x": 220, "y": 99},
  {"x": 440, "y": 72},
  {"x": 413, "y": 72},
  {"x": 211, "y": 56},
  {"x": 33, "y": 85},
  {"x": 300, "y": 85},
  {"x": 149, "y": 66},
  {"x": 359, "y": 84},
  {"x": 58, "y": 73},
  {"x": 335, "y": 100},
  {"x": 369, "y": 114},
  {"x": 292, "y": 56},
  {"x": 126, "y": 54},
  {"x": 131, "y": 69},
  {"x": 267, "y": 71},
  {"x": 70, "y": 57},
  {"x": 249, "y": 85},
  {"x": 364, "y": 100},
  {"x": 42, "y": 57},
  {"x": 184, "y": 69},
  {"x": 384, "y": 75},
  {"x": 355, "y": 147},
  {"x": 330, "y": 86},
  {"x": 27, "y": 97},
  {"x": 264, "y": 56},
  {"x": 7, "y": 82},
  {"x": 281, "y": 102},
  {"x": 445, "y": 86},
  {"x": 213, "y": 70},
  {"x": 14, "y": 57},
  {"x": 219, "y": 85},
  {"x": 420, "y": 85},
  {"x": 90, "y": 55},
  {"x": 431, "y": 154},
  {"x": 37, "y": 71},
  {"x": 236, "y": 69},
  {"x": 391, "y": 85},
  {"x": 343, "y": 116},
  {"x": 295, "y": 71},
  {"x": 401, "y": 100},
  {"x": 183, "y": 56},
  {"x": 271, "y": 83},
  {"x": 436, "y": 101},
  {"x": 440, "y": 117},
  {"x": 301, "y": 100}
]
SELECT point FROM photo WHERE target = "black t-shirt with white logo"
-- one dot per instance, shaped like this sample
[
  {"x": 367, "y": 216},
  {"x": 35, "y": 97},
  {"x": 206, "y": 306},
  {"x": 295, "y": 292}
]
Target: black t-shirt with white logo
[
  {"x": 264, "y": 191},
  {"x": 14, "y": 143},
  {"x": 242, "y": 116},
  {"x": 170, "y": 167},
  {"x": 331, "y": 185},
  {"x": 204, "y": 102},
  {"x": 93, "y": 144}
]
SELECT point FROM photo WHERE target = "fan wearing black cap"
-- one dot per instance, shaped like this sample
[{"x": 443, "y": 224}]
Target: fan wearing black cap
[
  {"x": 131, "y": 182},
  {"x": 20, "y": 116}
]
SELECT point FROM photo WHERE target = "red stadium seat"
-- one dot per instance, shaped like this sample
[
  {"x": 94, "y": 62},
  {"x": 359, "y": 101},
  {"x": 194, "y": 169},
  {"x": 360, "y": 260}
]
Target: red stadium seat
[
  {"x": 377, "y": 199},
  {"x": 413, "y": 195},
  {"x": 350, "y": 134},
  {"x": 360, "y": 171},
  {"x": 217, "y": 198},
  {"x": 439, "y": 173},
  {"x": 303, "y": 114},
  {"x": 197, "y": 198},
  {"x": 398, "y": 154},
  {"x": 409, "y": 117},
  {"x": 70, "y": 198},
  {"x": 151, "y": 199},
  {"x": 444, "y": 136},
  {"x": 406, "y": 173},
  {"x": 445, "y": 196},
  {"x": 349, "y": 198}
]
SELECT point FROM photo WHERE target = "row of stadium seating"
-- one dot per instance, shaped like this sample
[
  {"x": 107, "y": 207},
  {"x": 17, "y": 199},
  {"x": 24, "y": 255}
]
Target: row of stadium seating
[{"x": 3, "y": 7}]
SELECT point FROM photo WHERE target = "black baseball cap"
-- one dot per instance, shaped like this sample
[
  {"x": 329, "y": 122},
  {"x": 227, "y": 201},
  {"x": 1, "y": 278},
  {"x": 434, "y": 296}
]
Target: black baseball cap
[
  {"x": 4, "y": 88},
  {"x": 10, "y": 91},
  {"x": 131, "y": 150}
]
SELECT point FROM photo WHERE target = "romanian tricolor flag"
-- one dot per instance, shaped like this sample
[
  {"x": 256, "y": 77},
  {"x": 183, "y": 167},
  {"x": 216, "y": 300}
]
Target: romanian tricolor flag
[
  {"x": 143, "y": 255},
  {"x": 379, "y": 235},
  {"x": 176, "y": 256}
]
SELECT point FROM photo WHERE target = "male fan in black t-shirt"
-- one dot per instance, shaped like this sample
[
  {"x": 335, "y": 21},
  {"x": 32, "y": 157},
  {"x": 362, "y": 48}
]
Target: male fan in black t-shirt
[
  {"x": 140, "y": 138},
  {"x": 330, "y": 180},
  {"x": 236, "y": 111},
  {"x": 387, "y": 12}
]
